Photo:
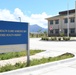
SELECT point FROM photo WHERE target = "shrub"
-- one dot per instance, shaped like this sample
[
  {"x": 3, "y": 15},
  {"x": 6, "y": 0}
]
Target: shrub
[
  {"x": 61, "y": 34},
  {"x": 66, "y": 38},
  {"x": 45, "y": 38},
  {"x": 59, "y": 39},
  {"x": 63, "y": 38},
  {"x": 53, "y": 38},
  {"x": 42, "y": 38}
]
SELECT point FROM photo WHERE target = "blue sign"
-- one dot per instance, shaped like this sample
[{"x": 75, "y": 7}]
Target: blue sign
[{"x": 13, "y": 33}]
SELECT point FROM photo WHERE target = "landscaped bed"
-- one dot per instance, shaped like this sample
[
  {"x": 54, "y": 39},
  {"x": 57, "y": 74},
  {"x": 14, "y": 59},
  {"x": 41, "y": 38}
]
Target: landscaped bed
[
  {"x": 55, "y": 38},
  {"x": 33, "y": 62},
  {"x": 10, "y": 55}
]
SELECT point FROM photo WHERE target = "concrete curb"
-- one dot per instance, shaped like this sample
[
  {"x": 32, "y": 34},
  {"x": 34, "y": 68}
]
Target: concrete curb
[{"x": 33, "y": 68}]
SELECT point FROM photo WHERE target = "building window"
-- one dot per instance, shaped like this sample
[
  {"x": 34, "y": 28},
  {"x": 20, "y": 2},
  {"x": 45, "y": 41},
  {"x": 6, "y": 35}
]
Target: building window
[
  {"x": 56, "y": 21},
  {"x": 65, "y": 20},
  {"x": 72, "y": 19},
  {"x": 51, "y": 21},
  {"x": 72, "y": 30},
  {"x": 51, "y": 31},
  {"x": 65, "y": 31},
  {"x": 56, "y": 31}
]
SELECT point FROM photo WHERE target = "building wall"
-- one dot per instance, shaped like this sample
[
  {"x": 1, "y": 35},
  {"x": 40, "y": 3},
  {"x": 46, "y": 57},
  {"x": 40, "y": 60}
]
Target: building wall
[{"x": 61, "y": 26}]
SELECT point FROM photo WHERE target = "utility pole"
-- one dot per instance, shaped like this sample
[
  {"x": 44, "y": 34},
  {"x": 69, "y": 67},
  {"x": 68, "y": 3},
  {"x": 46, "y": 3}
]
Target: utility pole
[
  {"x": 75, "y": 16},
  {"x": 68, "y": 19}
]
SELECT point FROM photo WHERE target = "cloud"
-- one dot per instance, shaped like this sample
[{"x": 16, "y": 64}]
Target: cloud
[
  {"x": 6, "y": 15},
  {"x": 32, "y": 19}
]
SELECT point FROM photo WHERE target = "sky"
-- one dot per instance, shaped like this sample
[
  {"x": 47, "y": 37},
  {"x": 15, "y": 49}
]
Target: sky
[{"x": 33, "y": 11}]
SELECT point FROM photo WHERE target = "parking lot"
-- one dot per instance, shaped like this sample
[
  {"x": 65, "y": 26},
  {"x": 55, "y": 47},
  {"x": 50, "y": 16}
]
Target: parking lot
[{"x": 53, "y": 46}]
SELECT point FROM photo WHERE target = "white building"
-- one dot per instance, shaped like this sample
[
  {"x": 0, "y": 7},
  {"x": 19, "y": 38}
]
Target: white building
[{"x": 59, "y": 24}]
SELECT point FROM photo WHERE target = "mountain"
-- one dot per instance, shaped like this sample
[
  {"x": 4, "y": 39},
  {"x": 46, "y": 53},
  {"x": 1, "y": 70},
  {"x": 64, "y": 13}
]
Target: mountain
[{"x": 36, "y": 28}]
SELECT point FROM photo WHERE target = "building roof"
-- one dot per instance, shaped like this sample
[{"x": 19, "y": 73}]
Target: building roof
[
  {"x": 65, "y": 12},
  {"x": 52, "y": 17},
  {"x": 62, "y": 13}
]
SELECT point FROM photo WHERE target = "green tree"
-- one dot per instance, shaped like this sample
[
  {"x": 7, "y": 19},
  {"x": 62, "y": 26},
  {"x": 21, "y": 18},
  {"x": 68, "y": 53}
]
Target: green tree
[
  {"x": 45, "y": 33},
  {"x": 39, "y": 32}
]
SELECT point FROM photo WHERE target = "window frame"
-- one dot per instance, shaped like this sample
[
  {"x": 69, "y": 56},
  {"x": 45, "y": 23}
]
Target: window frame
[
  {"x": 51, "y": 22},
  {"x": 51, "y": 31},
  {"x": 56, "y": 31},
  {"x": 57, "y": 21},
  {"x": 72, "y": 30},
  {"x": 65, "y": 20},
  {"x": 72, "y": 19},
  {"x": 65, "y": 31}
]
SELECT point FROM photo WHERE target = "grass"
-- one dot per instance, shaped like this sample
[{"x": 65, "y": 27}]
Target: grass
[
  {"x": 51, "y": 59},
  {"x": 33, "y": 62},
  {"x": 17, "y": 54}
]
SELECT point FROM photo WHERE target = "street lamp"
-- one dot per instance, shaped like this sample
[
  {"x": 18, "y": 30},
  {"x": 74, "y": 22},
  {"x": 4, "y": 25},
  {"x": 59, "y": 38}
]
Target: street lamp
[{"x": 19, "y": 19}]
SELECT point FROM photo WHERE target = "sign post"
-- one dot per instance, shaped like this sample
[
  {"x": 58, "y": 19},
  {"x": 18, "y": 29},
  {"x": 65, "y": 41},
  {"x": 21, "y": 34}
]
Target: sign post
[{"x": 28, "y": 51}]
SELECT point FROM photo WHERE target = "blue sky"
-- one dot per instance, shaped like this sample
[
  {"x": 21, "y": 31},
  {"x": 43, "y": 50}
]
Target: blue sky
[
  {"x": 33, "y": 8},
  {"x": 37, "y": 6}
]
